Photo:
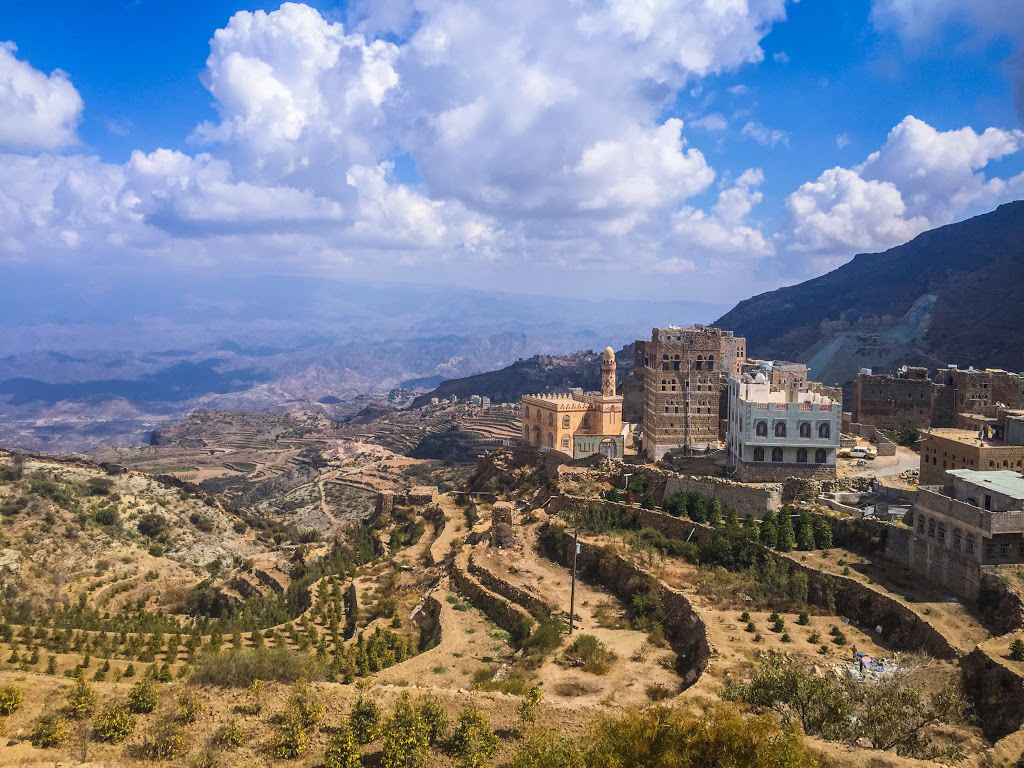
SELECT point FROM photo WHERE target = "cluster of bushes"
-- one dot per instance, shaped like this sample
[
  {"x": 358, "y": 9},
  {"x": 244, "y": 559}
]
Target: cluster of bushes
[
  {"x": 890, "y": 713},
  {"x": 661, "y": 736}
]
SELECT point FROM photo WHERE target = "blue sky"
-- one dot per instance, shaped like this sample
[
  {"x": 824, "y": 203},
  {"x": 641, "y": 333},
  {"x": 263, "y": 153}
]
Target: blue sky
[{"x": 723, "y": 149}]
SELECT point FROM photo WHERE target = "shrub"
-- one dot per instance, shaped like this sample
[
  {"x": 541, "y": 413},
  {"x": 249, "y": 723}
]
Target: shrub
[
  {"x": 1017, "y": 650},
  {"x": 113, "y": 724},
  {"x": 803, "y": 619},
  {"x": 548, "y": 749},
  {"x": 255, "y": 695},
  {"x": 142, "y": 698},
  {"x": 81, "y": 701},
  {"x": 342, "y": 751},
  {"x": 290, "y": 739},
  {"x": 48, "y": 732},
  {"x": 164, "y": 742},
  {"x": 473, "y": 742},
  {"x": 190, "y": 706},
  {"x": 658, "y": 737},
  {"x": 238, "y": 668},
  {"x": 786, "y": 638},
  {"x": 436, "y": 719},
  {"x": 229, "y": 737},
  {"x": 750, "y": 627},
  {"x": 778, "y": 625},
  {"x": 594, "y": 655},
  {"x": 529, "y": 709},
  {"x": 406, "y": 738},
  {"x": 545, "y": 638},
  {"x": 10, "y": 700},
  {"x": 364, "y": 720},
  {"x": 305, "y": 704}
]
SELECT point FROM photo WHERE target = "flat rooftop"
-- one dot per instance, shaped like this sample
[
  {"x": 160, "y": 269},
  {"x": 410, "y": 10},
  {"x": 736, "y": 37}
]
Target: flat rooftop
[
  {"x": 965, "y": 436},
  {"x": 1001, "y": 480}
]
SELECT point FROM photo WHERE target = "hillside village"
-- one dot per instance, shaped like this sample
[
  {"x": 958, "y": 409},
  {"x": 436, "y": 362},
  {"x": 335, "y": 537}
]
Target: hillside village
[{"x": 470, "y": 582}]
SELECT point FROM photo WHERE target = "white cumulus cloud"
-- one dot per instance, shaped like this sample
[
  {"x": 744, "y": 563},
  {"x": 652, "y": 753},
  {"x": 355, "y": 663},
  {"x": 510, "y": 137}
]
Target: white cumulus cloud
[
  {"x": 920, "y": 178},
  {"x": 37, "y": 111}
]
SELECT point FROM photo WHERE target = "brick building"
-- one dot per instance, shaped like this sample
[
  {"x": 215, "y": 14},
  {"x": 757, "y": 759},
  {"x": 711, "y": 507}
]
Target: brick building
[
  {"x": 776, "y": 432},
  {"x": 684, "y": 374},
  {"x": 975, "y": 519}
]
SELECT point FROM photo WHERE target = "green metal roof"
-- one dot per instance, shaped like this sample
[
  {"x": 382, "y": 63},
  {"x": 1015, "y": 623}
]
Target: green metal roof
[{"x": 1001, "y": 481}]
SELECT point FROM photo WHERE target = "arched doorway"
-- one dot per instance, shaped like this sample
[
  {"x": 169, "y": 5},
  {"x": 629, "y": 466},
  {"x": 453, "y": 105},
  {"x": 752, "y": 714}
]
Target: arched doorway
[{"x": 609, "y": 449}]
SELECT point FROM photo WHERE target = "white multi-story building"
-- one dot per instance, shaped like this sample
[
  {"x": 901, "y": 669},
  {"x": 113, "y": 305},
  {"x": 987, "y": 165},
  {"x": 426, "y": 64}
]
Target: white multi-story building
[{"x": 778, "y": 433}]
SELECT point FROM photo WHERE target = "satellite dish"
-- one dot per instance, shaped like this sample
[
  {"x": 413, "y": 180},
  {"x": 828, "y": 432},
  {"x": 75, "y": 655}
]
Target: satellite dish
[{"x": 903, "y": 369}]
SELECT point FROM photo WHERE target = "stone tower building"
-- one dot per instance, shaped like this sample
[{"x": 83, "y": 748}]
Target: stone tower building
[{"x": 685, "y": 370}]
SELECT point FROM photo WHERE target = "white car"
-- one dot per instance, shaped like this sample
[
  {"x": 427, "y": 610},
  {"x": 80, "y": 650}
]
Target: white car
[{"x": 858, "y": 452}]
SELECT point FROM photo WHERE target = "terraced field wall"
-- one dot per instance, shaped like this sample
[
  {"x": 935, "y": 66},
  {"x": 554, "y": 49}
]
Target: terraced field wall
[
  {"x": 683, "y": 627},
  {"x": 995, "y": 691}
]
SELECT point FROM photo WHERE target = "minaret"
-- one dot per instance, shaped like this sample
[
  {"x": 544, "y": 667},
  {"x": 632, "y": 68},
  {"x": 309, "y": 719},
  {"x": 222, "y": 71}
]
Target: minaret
[{"x": 608, "y": 373}]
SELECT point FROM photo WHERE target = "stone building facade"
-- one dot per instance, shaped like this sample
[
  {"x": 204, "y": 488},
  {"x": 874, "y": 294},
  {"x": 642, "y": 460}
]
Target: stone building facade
[
  {"x": 912, "y": 398},
  {"x": 976, "y": 520},
  {"x": 576, "y": 423},
  {"x": 774, "y": 434},
  {"x": 684, "y": 373},
  {"x": 943, "y": 450}
]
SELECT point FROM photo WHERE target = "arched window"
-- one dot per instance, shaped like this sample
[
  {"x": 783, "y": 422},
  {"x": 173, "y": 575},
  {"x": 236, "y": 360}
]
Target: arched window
[
  {"x": 805, "y": 429},
  {"x": 565, "y": 422},
  {"x": 565, "y": 440},
  {"x": 776, "y": 454},
  {"x": 664, "y": 385},
  {"x": 957, "y": 538},
  {"x": 536, "y": 436},
  {"x": 526, "y": 411},
  {"x": 931, "y": 528},
  {"x": 586, "y": 421},
  {"x": 761, "y": 429},
  {"x": 759, "y": 454},
  {"x": 551, "y": 439},
  {"x": 969, "y": 546},
  {"x": 824, "y": 430},
  {"x": 941, "y": 532},
  {"x": 920, "y": 523},
  {"x": 711, "y": 362},
  {"x": 801, "y": 455},
  {"x": 820, "y": 456},
  {"x": 551, "y": 419},
  {"x": 526, "y": 433},
  {"x": 780, "y": 429}
]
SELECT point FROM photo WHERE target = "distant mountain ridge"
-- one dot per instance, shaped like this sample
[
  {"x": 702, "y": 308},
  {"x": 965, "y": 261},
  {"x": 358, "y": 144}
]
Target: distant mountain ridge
[
  {"x": 952, "y": 295},
  {"x": 540, "y": 373}
]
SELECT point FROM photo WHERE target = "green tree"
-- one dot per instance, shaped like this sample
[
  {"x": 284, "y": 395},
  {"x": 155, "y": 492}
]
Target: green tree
[
  {"x": 715, "y": 512},
  {"x": 1017, "y": 650},
  {"x": 787, "y": 536},
  {"x": 822, "y": 533},
  {"x": 406, "y": 737},
  {"x": 805, "y": 534},
  {"x": 768, "y": 532},
  {"x": 342, "y": 751},
  {"x": 473, "y": 742},
  {"x": 113, "y": 724},
  {"x": 142, "y": 698},
  {"x": 10, "y": 700},
  {"x": 698, "y": 511},
  {"x": 364, "y": 720},
  {"x": 81, "y": 701}
]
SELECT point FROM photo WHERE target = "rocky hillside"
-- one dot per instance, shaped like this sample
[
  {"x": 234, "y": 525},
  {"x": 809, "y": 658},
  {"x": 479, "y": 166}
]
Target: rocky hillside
[
  {"x": 950, "y": 295},
  {"x": 540, "y": 373}
]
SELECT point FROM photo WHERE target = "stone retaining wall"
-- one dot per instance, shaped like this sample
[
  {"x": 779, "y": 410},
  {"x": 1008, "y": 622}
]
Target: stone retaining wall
[
  {"x": 996, "y": 692},
  {"x": 496, "y": 584},
  {"x": 869, "y": 608},
  {"x": 885, "y": 446},
  {"x": 506, "y": 614},
  {"x": 684, "y": 629},
  {"x": 1001, "y": 607}
]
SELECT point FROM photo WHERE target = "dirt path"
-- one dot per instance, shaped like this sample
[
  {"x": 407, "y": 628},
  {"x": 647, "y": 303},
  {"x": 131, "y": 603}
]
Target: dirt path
[{"x": 454, "y": 528}]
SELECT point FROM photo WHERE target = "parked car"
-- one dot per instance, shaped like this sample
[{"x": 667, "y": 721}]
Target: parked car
[
  {"x": 871, "y": 452},
  {"x": 859, "y": 452}
]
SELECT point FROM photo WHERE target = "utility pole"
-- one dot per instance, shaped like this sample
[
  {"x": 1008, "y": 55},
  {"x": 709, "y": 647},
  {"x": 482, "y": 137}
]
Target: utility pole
[{"x": 572, "y": 589}]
